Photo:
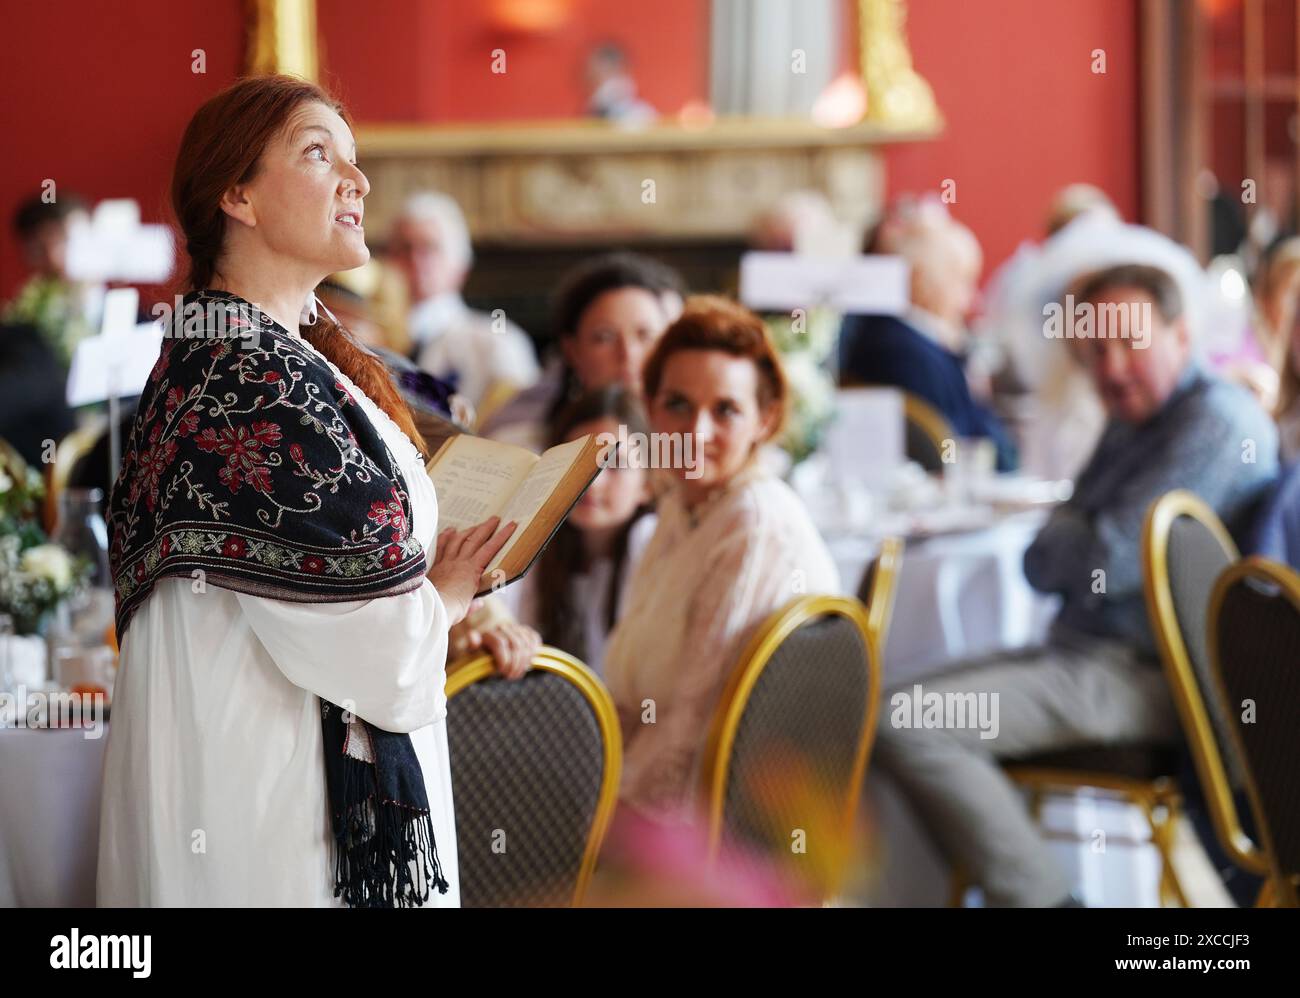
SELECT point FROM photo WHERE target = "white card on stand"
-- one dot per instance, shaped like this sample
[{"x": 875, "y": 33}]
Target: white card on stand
[
  {"x": 874, "y": 284},
  {"x": 119, "y": 360},
  {"x": 865, "y": 441},
  {"x": 114, "y": 246}
]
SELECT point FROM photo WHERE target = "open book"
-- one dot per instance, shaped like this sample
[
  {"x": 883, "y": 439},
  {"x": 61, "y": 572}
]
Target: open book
[{"x": 477, "y": 478}]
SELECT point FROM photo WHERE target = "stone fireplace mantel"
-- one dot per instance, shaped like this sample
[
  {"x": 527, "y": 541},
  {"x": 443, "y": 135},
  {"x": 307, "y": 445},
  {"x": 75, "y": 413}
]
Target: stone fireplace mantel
[{"x": 575, "y": 183}]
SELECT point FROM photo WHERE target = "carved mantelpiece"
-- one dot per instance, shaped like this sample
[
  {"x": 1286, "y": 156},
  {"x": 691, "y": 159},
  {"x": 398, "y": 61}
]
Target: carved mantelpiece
[{"x": 592, "y": 182}]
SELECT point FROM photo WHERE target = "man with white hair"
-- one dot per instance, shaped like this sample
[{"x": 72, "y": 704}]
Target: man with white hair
[
  {"x": 924, "y": 350},
  {"x": 486, "y": 356}
]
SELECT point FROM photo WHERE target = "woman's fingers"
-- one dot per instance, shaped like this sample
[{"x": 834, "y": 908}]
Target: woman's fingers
[
  {"x": 526, "y": 643},
  {"x": 492, "y": 545},
  {"x": 508, "y": 652},
  {"x": 477, "y": 535},
  {"x": 442, "y": 544},
  {"x": 462, "y": 543},
  {"x": 511, "y": 653}
]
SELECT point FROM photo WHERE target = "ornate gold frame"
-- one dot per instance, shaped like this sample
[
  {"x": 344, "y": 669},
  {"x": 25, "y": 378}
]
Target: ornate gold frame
[
  {"x": 468, "y": 671},
  {"x": 1181, "y": 675},
  {"x": 1279, "y": 890},
  {"x": 740, "y": 684},
  {"x": 282, "y": 38},
  {"x": 897, "y": 95}
]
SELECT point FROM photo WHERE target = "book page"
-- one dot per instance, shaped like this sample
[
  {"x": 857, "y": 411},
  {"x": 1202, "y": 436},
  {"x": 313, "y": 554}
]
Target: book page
[
  {"x": 536, "y": 488},
  {"x": 475, "y": 478}
]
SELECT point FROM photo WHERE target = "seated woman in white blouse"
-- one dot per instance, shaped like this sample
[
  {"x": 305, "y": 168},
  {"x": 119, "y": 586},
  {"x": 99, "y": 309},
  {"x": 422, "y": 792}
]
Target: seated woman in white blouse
[
  {"x": 577, "y": 591},
  {"x": 733, "y": 544},
  {"x": 280, "y": 703}
]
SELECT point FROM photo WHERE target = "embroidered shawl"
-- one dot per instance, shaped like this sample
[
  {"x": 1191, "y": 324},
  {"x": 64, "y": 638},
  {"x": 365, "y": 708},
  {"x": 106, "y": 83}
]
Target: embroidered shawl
[{"x": 250, "y": 463}]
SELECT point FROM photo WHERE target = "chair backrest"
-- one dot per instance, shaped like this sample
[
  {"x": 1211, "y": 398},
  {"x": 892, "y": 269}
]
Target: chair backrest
[
  {"x": 534, "y": 769},
  {"x": 927, "y": 431},
  {"x": 788, "y": 746},
  {"x": 1185, "y": 546},
  {"x": 878, "y": 589},
  {"x": 1255, "y": 655}
]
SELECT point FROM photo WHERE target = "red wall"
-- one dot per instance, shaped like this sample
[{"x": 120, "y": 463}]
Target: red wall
[
  {"x": 99, "y": 102},
  {"x": 96, "y": 96},
  {"x": 1025, "y": 113}
]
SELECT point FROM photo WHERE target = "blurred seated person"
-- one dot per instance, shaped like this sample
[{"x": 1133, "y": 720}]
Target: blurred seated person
[
  {"x": 64, "y": 310},
  {"x": 1097, "y": 681},
  {"x": 609, "y": 312},
  {"x": 923, "y": 350},
  {"x": 577, "y": 591},
  {"x": 1254, "y": 354},
  {"x": 33, "y": 393},
  {"x": 485, "y": 356},
  {"x": 733, "y": 544},
  {"x": 1062, "y": 417},
  {"x": 1280, "y": 305},
  {"x": 800, "y": 221},
  {"x": 1275, "y": 530}
]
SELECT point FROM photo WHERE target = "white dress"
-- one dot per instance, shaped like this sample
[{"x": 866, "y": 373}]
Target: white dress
[{"x": 214, "y": 775}]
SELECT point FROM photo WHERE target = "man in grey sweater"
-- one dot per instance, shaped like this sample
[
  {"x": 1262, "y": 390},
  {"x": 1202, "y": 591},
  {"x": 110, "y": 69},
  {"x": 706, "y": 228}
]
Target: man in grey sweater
[{"x": 1097, "y": 681}]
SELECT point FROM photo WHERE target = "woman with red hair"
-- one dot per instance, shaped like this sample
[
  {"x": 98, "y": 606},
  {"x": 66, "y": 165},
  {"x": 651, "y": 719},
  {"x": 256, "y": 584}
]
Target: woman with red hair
[
  {"x": 278, "y": 734},
  {"x": 733, "y": 544}
]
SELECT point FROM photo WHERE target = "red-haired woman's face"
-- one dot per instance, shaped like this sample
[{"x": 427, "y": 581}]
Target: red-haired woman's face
[
  {"x": 305, "y": 202},
  {"x": 713, "y": 396}
]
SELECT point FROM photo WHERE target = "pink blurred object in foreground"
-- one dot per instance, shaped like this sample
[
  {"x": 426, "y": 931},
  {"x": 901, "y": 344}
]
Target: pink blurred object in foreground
[{"x": 648, "y": 864}]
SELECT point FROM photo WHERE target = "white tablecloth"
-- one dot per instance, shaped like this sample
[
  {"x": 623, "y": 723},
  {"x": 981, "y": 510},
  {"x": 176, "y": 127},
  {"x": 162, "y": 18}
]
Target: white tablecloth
[
  {"x": 959, "y": 595},
  {"x": 49, "y": 816}
]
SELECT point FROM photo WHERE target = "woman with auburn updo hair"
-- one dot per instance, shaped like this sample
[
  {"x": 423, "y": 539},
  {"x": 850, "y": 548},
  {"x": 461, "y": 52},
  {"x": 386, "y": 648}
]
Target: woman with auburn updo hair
[
  {"x": 733, "y": 544},
  {"x": 278, "y": 731}
]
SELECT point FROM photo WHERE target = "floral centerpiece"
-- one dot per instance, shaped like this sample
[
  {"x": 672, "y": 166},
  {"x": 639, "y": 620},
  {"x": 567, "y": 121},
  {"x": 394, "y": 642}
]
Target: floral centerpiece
[
  {"x": 805, "y": 338},
  {"x": 35, "y": 574},
  {"x": 53, "y": 306}
]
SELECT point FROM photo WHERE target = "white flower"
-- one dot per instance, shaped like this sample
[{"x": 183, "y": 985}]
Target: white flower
[
  {"x": 6, "y": 483},
  {"x": 48, "y": 561}
]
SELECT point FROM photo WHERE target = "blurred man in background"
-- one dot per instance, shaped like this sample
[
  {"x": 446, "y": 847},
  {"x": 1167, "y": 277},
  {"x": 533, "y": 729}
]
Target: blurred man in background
[{"x": 486, "y": 356}]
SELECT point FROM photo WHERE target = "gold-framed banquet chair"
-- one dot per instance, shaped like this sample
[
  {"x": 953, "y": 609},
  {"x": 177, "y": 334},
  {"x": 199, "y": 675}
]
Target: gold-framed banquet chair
[
  {"x": 1254, "y": 638},
  {"x": 535, "y": 766},
  {"x": 788, "y": 744}
]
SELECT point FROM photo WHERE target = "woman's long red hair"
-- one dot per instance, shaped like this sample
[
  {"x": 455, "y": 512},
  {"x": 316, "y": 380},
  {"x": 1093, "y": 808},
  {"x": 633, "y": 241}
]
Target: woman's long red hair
[{"x": 222, "y": 147}]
